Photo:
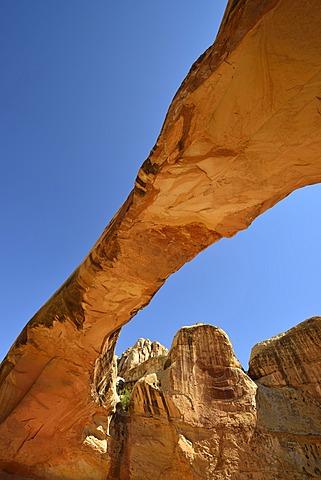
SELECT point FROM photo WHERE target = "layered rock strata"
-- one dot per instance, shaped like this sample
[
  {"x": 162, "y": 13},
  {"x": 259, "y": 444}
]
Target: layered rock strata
[
  {"x": 190, "y": 419},
  {"x": 242, "y": 132},
  {"x": 202, "y": 417},
  {"x": 287, "y": 371}
]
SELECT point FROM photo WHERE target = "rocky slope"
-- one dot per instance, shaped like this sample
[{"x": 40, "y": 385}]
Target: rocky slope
[{"x": 242, "y": 132}]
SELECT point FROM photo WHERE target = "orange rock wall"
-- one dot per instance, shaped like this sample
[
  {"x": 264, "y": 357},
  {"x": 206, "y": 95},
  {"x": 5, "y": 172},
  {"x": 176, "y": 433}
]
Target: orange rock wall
[{"x": 202, "y": 416}]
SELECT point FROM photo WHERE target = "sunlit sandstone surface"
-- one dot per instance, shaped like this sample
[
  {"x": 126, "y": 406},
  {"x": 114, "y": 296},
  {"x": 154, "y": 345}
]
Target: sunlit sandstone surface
[{"x": 243, "y": 131}]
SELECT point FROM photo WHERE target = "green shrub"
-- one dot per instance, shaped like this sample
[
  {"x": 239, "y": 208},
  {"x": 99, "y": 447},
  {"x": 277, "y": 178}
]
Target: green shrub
[{"x": 124, "y": 396}]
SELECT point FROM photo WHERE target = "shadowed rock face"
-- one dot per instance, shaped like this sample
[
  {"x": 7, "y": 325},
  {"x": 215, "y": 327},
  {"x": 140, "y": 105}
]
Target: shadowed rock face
[{"x": 242, "y": 133}]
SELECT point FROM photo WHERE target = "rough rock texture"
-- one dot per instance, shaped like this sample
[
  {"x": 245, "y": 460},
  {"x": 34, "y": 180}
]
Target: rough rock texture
[
  {"x": 143, "y": 357},
  {"x": 242, "y": 133},
  {"x": 202, "y": 417},
  {"x": 297, "y": 351},
  {"x": 191, "y": 419},
  {"x": 287, "y": 371}
]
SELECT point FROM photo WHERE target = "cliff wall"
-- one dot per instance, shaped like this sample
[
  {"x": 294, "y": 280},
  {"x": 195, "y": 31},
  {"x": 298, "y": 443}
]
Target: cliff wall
[{"x": 201, "y": 416}]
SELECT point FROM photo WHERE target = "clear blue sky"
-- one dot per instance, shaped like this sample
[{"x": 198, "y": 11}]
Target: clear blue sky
[{"x": 84, "y": 89}]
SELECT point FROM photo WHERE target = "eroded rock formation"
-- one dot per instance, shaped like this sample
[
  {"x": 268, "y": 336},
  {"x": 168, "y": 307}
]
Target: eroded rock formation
[
  {"x": 138, "y": 360},
  {"x": 184, "y": 421},
  {"x": 242, "y": 133},
  {"x": 201, "y": 416},
  {"x": 286, "y": 370}
]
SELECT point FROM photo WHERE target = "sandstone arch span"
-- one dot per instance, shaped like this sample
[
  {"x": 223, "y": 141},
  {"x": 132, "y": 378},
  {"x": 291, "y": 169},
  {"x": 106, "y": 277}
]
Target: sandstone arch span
[{"x": 242, "y": 133}]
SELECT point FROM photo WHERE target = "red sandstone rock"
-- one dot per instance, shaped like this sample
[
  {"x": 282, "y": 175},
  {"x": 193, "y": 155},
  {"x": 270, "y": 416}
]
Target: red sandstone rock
[
  {"x": 201, "y": 416},
  {"x": 191, "y": 419},
  {"x": 241, "y": 134}
]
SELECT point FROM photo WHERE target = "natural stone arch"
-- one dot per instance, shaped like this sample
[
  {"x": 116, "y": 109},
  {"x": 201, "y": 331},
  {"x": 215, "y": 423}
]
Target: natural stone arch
[
  {"x": 253, "y": 286},
  {"x": 242, "y": 133}
]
